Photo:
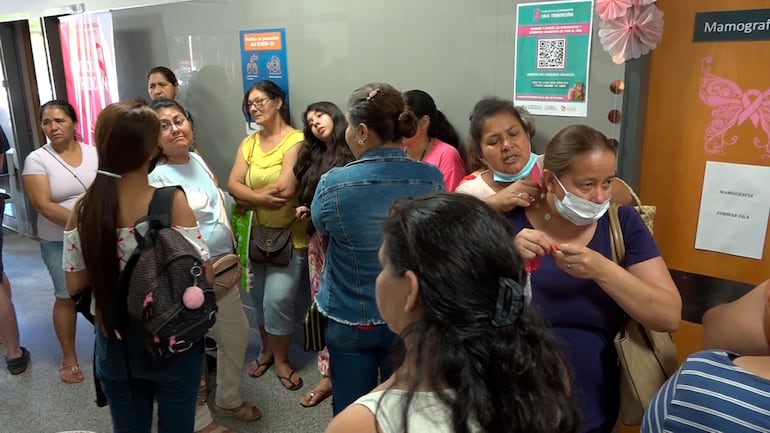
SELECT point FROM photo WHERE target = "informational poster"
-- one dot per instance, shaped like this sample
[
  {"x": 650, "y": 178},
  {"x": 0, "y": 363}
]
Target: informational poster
[
  {"x": 734, "y": 209},
  {"x": 263, "y": 57},
  {"x": 88, "y": 52},
  {"x": 553, "y": 49}
]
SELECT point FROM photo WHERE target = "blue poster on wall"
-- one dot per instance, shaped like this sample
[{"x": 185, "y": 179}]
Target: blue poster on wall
[{"x": 263, "y": 57}]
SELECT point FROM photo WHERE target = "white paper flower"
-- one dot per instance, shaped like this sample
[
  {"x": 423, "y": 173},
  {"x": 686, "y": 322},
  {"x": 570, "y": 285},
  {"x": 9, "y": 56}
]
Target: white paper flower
[
  {"x": 634, "y": 34},
  {"x": 611, "y": 9}
]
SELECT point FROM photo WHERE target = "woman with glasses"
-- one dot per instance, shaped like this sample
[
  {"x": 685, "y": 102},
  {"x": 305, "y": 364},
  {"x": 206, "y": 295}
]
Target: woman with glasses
[
  {"x": 54, "y": 176},
  {"x": 178, "y": 166},
  {"x": 262, "y": 179},
  {"x": 349, "y": 206}
]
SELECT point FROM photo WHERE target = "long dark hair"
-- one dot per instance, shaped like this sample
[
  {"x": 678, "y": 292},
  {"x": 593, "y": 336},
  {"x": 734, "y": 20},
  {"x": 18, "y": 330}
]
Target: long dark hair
[
  {"x": 422, "y": 104},
  {"x": 314, "y": 157},
  {"x": 487, "y": 357},
  {"x": 273, "y": 91},
  {"x": 126, "y": 136}
]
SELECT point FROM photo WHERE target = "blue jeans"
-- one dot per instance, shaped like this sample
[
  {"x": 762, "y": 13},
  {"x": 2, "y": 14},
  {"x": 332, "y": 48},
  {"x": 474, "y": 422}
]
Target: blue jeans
[
  {"x": 52, "y": 251},
  {"x": 360, "y": 360},
  {"x": 172, "y": 383},
  {"x": 274, "y": 291}
]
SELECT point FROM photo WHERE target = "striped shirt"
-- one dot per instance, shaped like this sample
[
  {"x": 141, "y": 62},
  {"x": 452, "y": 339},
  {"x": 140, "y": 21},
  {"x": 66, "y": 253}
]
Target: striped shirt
[{"x": 709, "y": 393}]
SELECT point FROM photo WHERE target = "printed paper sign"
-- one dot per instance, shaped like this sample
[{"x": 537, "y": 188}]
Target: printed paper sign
[
  {"x": 553, "y": 49},
  {"x": 734, "y": 209}
]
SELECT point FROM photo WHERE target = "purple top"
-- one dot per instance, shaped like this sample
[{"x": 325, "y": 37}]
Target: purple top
[{"x": 586, "y": 319}]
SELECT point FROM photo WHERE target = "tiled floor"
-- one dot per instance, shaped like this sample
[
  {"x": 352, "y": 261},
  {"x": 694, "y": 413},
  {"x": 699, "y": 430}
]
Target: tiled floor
[{"x": 38, "y": 402}]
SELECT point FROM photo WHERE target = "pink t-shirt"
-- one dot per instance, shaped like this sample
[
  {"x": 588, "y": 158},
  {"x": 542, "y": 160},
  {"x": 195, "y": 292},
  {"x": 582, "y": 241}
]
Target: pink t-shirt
[{"x": 448, "y": 161}]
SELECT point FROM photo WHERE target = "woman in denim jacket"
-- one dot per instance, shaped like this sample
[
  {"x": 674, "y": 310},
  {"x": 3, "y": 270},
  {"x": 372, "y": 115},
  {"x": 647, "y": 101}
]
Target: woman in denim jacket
[{"x": 349, "y": 206}]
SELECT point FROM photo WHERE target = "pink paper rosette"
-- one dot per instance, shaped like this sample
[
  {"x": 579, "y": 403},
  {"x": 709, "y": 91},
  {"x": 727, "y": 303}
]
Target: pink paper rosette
[
  {"x": 611, "y": 9},
  {"x": 634, "y": 34}
]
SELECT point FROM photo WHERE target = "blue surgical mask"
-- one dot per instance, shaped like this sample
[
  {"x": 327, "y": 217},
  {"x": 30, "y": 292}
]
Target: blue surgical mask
[
  {"x": 577, "y": 210},
  {"x": 524, "y": 172}
]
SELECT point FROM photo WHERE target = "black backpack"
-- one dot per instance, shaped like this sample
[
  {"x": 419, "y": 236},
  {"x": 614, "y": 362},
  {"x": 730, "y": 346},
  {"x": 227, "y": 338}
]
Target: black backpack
[{"x": 162, "y": 266}]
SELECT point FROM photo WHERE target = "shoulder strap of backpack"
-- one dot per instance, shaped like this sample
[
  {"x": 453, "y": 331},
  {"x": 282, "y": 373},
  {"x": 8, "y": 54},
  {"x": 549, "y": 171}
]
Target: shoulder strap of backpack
[{"x": 161, "y": 206}]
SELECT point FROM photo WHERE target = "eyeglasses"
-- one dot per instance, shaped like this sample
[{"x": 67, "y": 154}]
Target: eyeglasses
[
  {"x": 165, "y": 126},
  {"x": 257, "y": 103}
]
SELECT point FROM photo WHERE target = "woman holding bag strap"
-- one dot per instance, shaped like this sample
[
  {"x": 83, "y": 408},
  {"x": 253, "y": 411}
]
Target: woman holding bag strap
[
  {"x": 262, "y": 178},
  {"x": 584, "y": 295},
  {"x": 178, "y": 166}
]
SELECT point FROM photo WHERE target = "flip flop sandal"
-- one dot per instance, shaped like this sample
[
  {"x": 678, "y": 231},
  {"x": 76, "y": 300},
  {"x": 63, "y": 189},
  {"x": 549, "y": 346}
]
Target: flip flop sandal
[
  {"x": 18, "y": 365},
  {"x": 292, "y": 386},
  {"x": 315, "y": 397},
  {"x": 70, "y": 373},
  {"x": 244, "y": 412},
  {"x": 266, "y": 366}
]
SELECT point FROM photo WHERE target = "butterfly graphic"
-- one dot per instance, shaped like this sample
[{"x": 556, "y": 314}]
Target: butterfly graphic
[{"x": 733, "y": 107}]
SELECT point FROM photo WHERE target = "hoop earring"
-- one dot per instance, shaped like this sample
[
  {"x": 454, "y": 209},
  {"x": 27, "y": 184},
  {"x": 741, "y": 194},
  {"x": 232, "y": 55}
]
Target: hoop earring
[{"x": 361, "y": 141}]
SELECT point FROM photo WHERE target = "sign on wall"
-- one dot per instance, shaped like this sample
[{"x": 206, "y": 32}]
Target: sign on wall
[
  {"x": 553, "y": 49},
  {"x": 88, "y": 52},
  {"x": 734, "y": 209},
  {"x": 741, "y": 25},
  {"x": 263, "y": 57}
]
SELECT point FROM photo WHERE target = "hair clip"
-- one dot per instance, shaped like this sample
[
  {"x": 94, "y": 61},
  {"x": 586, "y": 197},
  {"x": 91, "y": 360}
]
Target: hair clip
[
  {"x": 510, "y": 302},
  {"x": 372, "y": 94}
]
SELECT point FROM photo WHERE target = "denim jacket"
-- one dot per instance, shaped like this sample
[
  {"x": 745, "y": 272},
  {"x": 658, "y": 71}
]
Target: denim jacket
[{"x": 350, "y": 205}]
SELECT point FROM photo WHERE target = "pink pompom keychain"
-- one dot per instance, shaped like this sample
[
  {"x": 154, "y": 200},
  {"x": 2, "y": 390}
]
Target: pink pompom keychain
[{"x": 192, "y": 297}]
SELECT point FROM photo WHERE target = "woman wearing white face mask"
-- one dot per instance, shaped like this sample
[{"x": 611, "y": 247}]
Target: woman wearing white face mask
[{"x": 584, "y": 295}]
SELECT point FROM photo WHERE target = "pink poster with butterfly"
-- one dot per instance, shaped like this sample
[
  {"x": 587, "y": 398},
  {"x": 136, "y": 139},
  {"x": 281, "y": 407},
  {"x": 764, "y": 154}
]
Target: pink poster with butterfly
[{"x": 734, "y": 106}]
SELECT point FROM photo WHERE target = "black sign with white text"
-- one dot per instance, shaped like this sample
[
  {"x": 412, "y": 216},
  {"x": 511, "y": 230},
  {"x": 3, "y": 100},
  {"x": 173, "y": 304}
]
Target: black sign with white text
[{"x": 741, "y": 25}]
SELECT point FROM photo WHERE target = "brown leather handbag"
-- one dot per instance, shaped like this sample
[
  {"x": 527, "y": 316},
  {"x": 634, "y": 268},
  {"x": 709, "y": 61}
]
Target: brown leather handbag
[
  {"x": 227, "y": 273},
  {"x": 647, "y": 358},
  {"x": 270, "y": 245}
]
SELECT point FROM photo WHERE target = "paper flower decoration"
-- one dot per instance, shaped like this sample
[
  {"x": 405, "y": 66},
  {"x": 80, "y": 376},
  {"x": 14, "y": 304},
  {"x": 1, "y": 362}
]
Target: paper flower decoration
[
  {"x": 611, "y": 9},
  {"x": 634, "y": 34}
]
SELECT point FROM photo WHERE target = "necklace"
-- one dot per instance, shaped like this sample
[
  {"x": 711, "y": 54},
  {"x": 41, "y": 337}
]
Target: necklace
[{"x": 425, "y": 149}]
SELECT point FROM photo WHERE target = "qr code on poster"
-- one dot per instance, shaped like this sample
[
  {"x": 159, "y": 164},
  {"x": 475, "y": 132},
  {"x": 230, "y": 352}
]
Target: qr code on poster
[{"x": 551, "y": 53}]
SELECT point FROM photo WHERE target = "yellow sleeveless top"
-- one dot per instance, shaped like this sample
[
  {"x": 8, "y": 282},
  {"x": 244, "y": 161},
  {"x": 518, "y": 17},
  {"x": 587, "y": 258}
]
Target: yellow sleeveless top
[{"x": 263, "y": 169}]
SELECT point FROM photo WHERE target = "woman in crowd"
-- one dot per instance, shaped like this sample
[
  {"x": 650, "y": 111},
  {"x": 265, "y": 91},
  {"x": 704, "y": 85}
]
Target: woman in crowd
[
  {"x": 725, "y": 390},
  {"x": 323, "y": 149},
  {"x": 262, "y": 178},
  {"x": 179, "y": 166},
  {"x": 349, "y": 206},
  {"x": 479, "y": 360},
  {"x": 162, "y": 83},
  {"x": 436, "y": 141},
  {"x": 99, "y": 232},
  {"x": 582, "y": 293},
  {"x": 512, "y": 177},
  {"x": 54, "y": 176}
]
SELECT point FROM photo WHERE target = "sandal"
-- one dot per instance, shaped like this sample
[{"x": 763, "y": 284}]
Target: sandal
[
  {"x": 18, "y": 365},
  {"x": 255, "y": 368},
  {"x": 70, "y": 373},
  {"x": 314, "y": 397},
  {"x": 213, "y": 427},
  {"x": 245, "y": 412},
  {"x": 292, "y": 386}
]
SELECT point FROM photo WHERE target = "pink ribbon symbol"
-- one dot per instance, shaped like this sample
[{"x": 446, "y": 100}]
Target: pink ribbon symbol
[{"x": 750, "y": 107}]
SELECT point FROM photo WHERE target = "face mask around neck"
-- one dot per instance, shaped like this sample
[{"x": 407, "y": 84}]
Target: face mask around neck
[
  {"x": 579, "y": 211},
  {"x": 524, "y": 172}
]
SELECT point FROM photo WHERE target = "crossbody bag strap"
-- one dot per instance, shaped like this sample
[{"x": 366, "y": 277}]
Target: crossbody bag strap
[
  {"x": 616, "y": 235},
  {"x": 85, "y": 188}
]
